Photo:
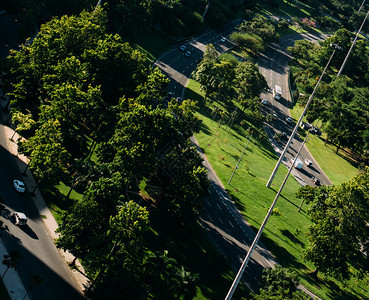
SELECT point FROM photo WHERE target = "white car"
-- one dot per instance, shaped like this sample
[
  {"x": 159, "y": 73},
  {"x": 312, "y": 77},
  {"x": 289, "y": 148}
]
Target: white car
[
  {"x": 20, "y": 219},
  {"x": 308, "y": 162},
  {"x": 288, "y": 120},
  {"x": 19, "y": 186},
  {"x": 264, "y": 101},
  {"x": 223, "y": 39}
]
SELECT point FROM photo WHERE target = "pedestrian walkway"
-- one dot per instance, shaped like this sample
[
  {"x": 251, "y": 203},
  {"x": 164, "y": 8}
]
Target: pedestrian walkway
[
  {"x": 11, "y": 279},
  {"x": 78, "y": 274}
]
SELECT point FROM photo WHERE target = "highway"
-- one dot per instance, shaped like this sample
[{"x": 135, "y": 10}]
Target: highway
[
  {"x": 273, "y": 65},
  {"x": 226, "y": 227}
]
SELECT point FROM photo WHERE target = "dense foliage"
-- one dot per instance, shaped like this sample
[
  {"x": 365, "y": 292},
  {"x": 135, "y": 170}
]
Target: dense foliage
[
  {"x": 76, "y": 87},
  {"x": 340, "y": 102},
  {"x": 339, "y": 231}
]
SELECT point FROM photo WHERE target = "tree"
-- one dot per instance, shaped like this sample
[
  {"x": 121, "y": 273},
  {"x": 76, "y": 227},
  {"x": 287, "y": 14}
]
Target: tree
[
  {"x": 279, "y": 283},
  {"x": 120, "y": 273},
  {"x": 11, "y": 260},
  {"x": 339, "y": 215},
  {"x": 49, "y": 160},
  {"x": 307, "y": 194},
  {"x": 204, "y": 73},
  {"x": 261, "y": 27},
  {"x": 249, "y": 83},
  {"x": 247, "y": 42}
]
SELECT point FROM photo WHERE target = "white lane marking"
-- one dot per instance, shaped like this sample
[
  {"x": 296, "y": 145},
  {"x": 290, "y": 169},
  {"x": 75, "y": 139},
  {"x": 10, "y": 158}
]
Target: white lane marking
[
  {"x": 210, "y": 219},
  {"x": 218, "y": 206},
  {"x": 220, "y": 220},
  {"x": 231, "y": 224}
]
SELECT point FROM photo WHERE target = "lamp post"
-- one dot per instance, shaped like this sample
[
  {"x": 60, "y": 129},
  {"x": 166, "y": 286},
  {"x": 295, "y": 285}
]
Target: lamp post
[
  {"x": 300, "y": 119},
  {"x": 258, "y": 235},
  {"x": 236, "y": 167}
]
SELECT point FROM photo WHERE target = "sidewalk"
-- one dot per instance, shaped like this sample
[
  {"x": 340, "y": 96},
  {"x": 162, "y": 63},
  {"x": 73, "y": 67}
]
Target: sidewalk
[{"x": 15, "y": 288}]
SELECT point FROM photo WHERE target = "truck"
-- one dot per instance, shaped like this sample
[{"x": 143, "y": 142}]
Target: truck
[
  {"x": 277, "y": 92},
  {"x": 298, "y": 163}
]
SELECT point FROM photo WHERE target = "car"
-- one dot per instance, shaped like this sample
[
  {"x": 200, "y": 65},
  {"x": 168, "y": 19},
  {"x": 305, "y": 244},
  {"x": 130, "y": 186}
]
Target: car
[
  {"x": 19, "y": 186},
  {"x": 308, "y": 162},
  {"x": 187, "y": 53},
  {"x": 284, "y": 135},
  {"x": 20, "y": 219},
  {"x": 182, "y": 47},
  {"x": 223, "y": 39},
  {"x": 179, "y": 99},
  {"x": 288, "y": 120},
  {"x": 315, "y": 180},
  {"x": 264, "y": 101}
]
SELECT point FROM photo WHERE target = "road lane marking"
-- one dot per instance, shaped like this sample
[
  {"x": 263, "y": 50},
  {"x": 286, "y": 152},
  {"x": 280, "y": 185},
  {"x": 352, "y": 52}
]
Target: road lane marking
[
  {"x": 220, "y": 220},
  {"x": 231, "y": 224},
  {"x": 218, "y": 206},
  {"x": 210, "y": 219}
]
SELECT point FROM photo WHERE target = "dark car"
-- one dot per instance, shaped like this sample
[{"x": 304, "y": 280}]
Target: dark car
[{"x": 315, "y": 180}]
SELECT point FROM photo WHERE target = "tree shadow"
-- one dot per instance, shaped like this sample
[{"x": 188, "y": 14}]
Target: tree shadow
[{"x": 288, "y": 234}]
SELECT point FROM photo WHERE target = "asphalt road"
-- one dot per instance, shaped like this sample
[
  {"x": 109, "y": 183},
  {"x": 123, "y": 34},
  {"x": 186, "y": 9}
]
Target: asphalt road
[
  {"x": 225, "y": 225},
  {"x": 38, "y": 253},
  {"x": 273, "y": 65}
]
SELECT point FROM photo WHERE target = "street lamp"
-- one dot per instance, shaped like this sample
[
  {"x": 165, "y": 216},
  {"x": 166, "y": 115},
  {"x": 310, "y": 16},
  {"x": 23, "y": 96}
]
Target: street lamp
[{"x": 335, "y": 46}]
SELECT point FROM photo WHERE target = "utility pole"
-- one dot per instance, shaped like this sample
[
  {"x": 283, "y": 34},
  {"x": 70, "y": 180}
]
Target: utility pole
[
  {"x": 352, "y": 44},
  {"x": 300, "y": 119},
  {"x": 258, "y": 235},
  {"x": 236, "y": 167}
]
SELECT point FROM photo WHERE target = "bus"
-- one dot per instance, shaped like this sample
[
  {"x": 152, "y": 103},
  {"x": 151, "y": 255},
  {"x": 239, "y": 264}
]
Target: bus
[{"x": 277, "y": 92}]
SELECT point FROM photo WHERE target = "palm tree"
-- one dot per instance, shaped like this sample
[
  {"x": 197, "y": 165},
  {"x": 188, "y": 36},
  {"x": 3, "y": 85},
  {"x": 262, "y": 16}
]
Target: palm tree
[{"x": 11, "y": 260}]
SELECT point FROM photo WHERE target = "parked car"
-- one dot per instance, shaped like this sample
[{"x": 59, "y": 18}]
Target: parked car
[
  {"x": 182, "y": 48},
  {"x": 284, "y": 135},
  {"x": 288, "y": 120},
  {"x": 19, "y": 186},
  {"x": 264, "y": 101},
  {"x": 187, "y": 53},
  {"x": 308, "y": 162},
  {"x": 20, "y": 219}
]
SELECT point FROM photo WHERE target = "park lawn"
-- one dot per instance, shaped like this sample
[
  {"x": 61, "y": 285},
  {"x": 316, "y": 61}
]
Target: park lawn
[
  {"x": 338, "y": 167},
  {"x": 285, "y": 233}
]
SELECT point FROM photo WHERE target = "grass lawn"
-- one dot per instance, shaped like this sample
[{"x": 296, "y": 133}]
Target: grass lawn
[
  {"x": 285, "y": 233},
  {"x": 338, "y": 167},
  {"x": 190, "y": 247}
]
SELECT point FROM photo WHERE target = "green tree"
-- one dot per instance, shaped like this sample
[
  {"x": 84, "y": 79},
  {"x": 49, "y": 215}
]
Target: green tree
[
  {"x": 248, "y": 42},
  {"x": 49, "y": 160},
  {"x": 339, "y": 215},
  {"x": 279, "y": 283},
  {"x": 120, "y": 273}
]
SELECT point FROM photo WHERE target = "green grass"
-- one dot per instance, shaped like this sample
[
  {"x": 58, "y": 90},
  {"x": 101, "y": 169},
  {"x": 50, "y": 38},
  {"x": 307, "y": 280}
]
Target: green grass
[
  {"x": 338, "y": 167},
  {"x": 3, "y": 292},
  {"x": 153, "y": 44},
  {"x": 285, "y": 233},
  {"x": 190, "y": 247}
]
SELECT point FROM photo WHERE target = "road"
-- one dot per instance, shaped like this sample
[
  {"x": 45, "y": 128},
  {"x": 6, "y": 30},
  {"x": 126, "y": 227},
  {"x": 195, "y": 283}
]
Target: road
[
  {"x": 273, "y": 65},
  {"x": 38, "y": 252},
  {"x": 221, "y": 219}
]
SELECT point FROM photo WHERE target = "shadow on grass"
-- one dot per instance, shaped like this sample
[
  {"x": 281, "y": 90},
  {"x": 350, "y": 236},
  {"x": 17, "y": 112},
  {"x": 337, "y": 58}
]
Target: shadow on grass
[
  {"x": 283, "y": 256},
  {"x": 190, "y": 246},
  {"x": 55, "y": 200},
  {"x": 288, "y": 234}
]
